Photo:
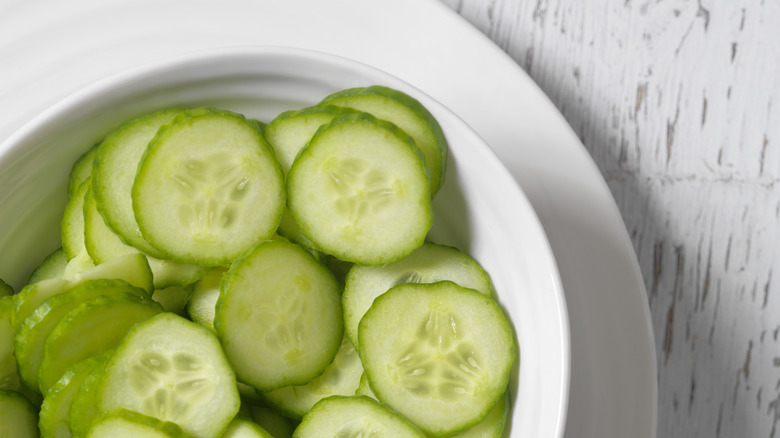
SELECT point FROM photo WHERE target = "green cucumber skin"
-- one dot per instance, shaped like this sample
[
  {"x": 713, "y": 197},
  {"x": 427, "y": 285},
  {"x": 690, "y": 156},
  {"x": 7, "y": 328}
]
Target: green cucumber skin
[{"x": 81, "y": 170}]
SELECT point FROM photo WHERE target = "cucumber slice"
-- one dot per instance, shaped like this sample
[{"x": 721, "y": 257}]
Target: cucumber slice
[
  {"x": 408, "y": 114},
  {"x": 83, "y": 408},
  {"x": 356, "y": 416},
  {"x": 290, "y": 131},
  {"x": 103, "y": 245},
  {"x": 364, "y": 388},
  {"x": 276, "y": 424},
  {"x": 174, "y": 370},
  {"x": 9, "y": 374},
  {"x": 81, "y": 263},
  {"x": 491, "y": 426},
  {"x": 202, "y": 305},
  {"x": 132, "y": 268},
  {"x": 279, "y": 316},
  {"x": 244, "y": 428},
  {"x": 341, "y": 377},
  {"x": 128, "y": 424},
  {"x": 174, "y": 298},
  {"x": 427, "y": 264},
  {"x": 439, "y": 354},
  {"x": 55, "y": 410},
  {"x": 114, "y": 171},
  {"x": 207, "y": 189},
  {"x": 72, "y": 232},
  {"x": 18, "y": 417},
  {"x": 53, "y": 266},
  {"x": 96, "y": 325},
  {"x": 31, "y": 337},
  {"x": 81, "y": 170},
  {"x": 359, "y": 191}
]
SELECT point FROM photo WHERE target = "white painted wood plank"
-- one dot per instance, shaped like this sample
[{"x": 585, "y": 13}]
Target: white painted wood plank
[{"x": 678, "y": 102}]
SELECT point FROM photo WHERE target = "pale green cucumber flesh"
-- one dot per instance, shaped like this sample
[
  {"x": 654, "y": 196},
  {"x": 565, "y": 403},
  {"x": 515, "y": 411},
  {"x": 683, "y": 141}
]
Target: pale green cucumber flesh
[
  {"x": 245, "y": 428},
  {"x": 34, "y": 330},
  {"x": 81, "y": 170},
  {"x": 55, "y": 410},
  {"x": 174, "y": 370},
  {"x": 72, "y": 229},
  {"x": 83, "y": 408},
  {"x": 174, "y": 298},
  {"x": 359, "y": 191},
  {"x": 427, "y": 264},
  {"x": 18, "y": 416},
  {"x": 208, "y": 188},
  {"x": 439, "y": 354},
  {"x": 353, "y": 416},
  {"x": 96, "y": 325},
  {"x": 341, "y": 377},
  {"x": 279, "y": 316},
  {"x": 408, "y": 114},
  {"x": 202, "y": 305},
  {"x": 123, "y": 423},
  {"x": 53, "y": 266}
]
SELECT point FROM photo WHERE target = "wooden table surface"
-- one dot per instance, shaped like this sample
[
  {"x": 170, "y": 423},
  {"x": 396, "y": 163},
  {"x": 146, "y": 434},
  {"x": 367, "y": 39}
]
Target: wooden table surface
[{"x": 678, "y": 103}]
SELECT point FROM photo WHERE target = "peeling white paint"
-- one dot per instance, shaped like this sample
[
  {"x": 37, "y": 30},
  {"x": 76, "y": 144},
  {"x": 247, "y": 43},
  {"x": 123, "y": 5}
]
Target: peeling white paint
[{"x": 678, "y": 102}]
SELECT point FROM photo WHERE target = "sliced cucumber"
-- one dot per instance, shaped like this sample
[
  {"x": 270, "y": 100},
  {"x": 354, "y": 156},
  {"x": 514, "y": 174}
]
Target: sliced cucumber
[
  {"x": 277, "y": 425},
  {"x": 72, "y": 231},
  {"x": 279, "y": 316},
  {"x": 359, "y": 191},
  {"x": 53, "y": 266},
  {"x": 174, "y": 370},
  {"x": 427, "y": 264},
  {"x": 9, "y": 374},
  {"x": 55, "y": 410},
  {"x": 81, "y": 170},
  {"x": 242, "y": 427},
  {"x": 31, "y": 337},
  {"x": 103, "y": 245},
  {"x": 341, "y": 377},
  {"x": 83, "y": 408},
  {"x": 128, "y": 424},
  {"x": 114, "y": 171},
  {"x": 439, "y": 354},
  {"x": 290, "y": 131},
  {"x": 364, "y": 388},
  {"x": 94, "y": 326},
  {"x": 202, "y": 305},
  {"x": 408, "y": 114},
  {"x": 207, "y": 189},
  {"x": 353, "y": 416},
  {"x": 18, "y": 417},
  {"x": 493, "y": 425},
  {"x": 173, "y": 298},
  {"x": 132, "y": 268}
]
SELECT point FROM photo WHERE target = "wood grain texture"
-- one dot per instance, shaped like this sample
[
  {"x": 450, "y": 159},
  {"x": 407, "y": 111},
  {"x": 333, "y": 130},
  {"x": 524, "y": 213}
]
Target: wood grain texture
[{"x": 678, "y": 103}]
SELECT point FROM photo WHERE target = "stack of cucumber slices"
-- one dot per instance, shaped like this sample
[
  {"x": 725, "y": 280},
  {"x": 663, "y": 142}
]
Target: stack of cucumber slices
[{"x": 223, "y": 277}]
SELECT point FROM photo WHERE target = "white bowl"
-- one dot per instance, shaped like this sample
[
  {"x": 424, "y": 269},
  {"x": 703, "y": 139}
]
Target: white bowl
[{"x": 480, "y": 208}]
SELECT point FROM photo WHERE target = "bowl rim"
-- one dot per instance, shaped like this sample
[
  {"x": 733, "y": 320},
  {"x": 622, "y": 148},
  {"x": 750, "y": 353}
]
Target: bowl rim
[{"x": 13, "y": 146}]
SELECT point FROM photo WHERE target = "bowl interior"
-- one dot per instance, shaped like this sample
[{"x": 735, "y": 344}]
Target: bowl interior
[{"x": 480, "y": 209}]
